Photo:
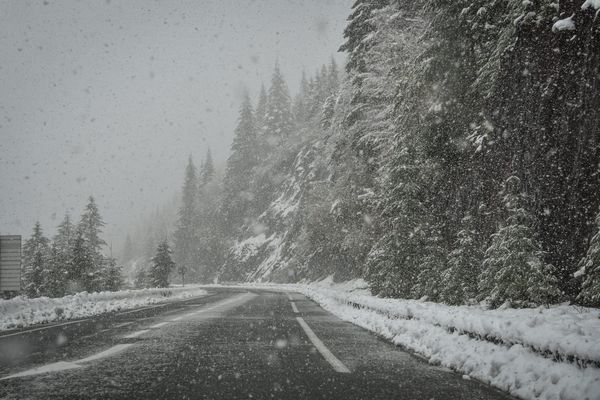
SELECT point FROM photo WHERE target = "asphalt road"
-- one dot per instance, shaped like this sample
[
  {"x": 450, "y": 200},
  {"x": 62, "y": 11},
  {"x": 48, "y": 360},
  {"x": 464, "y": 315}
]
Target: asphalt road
[{"x": 231, "y": 344}]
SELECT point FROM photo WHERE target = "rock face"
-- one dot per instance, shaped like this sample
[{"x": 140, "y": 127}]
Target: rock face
[{"x": 266, "y": 250}]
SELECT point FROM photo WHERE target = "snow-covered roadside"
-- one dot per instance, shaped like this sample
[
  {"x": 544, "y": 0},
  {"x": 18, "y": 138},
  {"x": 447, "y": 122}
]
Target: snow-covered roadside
[
  {"x": 21, "y": 312},
  {"x": 541, "y": 353}
]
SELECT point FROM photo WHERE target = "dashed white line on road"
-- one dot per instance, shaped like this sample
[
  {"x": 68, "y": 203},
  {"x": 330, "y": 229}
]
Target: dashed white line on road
[
  {"x": 54, "y": 367},
  {"x": 142, "y": 309},
  {"x": 123, "y": 324},
  {"x": 136, "y": 334},
  {"x": 63, "y": 365},
  {"x": 337, "y": 365},
  {"x": 294, "y": 307},
  {"x": 159, "y": 325},
  {"x": 289, "y": 296}
]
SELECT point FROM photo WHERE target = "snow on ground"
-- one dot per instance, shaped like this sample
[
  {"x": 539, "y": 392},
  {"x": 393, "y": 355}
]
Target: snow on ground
[
  {"x": 541, "y": 353},
  {"x": 21, "y": 312}
]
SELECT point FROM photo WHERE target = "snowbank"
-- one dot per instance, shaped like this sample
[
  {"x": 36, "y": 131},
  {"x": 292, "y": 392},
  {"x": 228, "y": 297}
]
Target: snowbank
[
  {"x": 541, "y": 353},
  {"x": 21, "y": 312}
]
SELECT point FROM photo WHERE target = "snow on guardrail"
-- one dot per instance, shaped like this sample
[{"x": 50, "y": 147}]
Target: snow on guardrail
[
  {"x": 22, "y": 312},
  {"x": 541, "y": 353}
]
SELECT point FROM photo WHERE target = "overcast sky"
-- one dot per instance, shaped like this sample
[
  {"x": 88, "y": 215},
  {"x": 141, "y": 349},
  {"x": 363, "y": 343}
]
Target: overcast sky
[{"x": 108, "y": 98}]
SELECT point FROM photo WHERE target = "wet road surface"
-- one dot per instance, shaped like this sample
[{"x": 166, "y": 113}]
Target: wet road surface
[{"x": 230, "y": 344}]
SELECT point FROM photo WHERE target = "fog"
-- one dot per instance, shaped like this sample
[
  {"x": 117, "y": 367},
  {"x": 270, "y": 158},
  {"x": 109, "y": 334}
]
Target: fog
[{"x": 108, "y": 98}]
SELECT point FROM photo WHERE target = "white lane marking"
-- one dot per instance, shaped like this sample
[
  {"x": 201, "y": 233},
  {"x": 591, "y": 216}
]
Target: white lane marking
[
  {"x": 136, "y": 334},
  {"x": 177, "y": 319},
  {"x": 142, "y": 309},
  {"x": 294, "y": 307},
  {"x": 54, "y": 367},
  {"x": 123, "y": 324},
  {"x": 106, "y": 353},
  {"x": 62, "y": 365},
  {"x": 44, "y": 328},
  {"x": 337, "y": 365},
  {"x": 227, "y": 304},
  {"x": 290, "y": 297},
  {"x": 159, "y": 325}
]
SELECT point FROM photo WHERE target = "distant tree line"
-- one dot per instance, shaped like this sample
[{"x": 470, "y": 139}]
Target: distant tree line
[{"x": 72, "y": 261}]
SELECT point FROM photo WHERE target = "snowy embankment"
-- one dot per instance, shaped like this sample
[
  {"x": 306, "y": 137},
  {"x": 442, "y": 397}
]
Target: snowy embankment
[
  {"x": 541, "y": 353},
  {"x": 21, "y": 312}
]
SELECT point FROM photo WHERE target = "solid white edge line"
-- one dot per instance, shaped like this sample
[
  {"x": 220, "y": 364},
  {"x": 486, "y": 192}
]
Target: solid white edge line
[
  {"x": 294, "y": 307},
  {"x": 44, "y": 328},
  {"x": 337, "y": 365}
]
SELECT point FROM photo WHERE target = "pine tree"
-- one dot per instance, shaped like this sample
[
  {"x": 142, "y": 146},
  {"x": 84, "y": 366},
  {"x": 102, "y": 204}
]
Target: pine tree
[
  {"x": 300, "y": 106},
  {"x": 358, "y": 28},
  {"x": 186, "y": 235},
  {"x": 84, "y": 263},
  {"x": 91, "y": 225},
  {"x": 36, "y": 254},
  {"x": 162, "y": 265},
  {"x": 261, "y": 109},
  {"x": 514, "y": 269},
  {"x": 65, "y": 235},
  {"x": 432, "y": 263},
  {"x": 589, "y": 270},
  {"x": 207, "y": 172},
  {"x": 57, "y": 274},
  {"x": 240, "y": 166},
  {"x": 61, "y": 258},
  {"x": 110, "y": 277},
  {"x": 464, "y": 266},
  {"x": 278, "y": 124},
  {"x": 333, "y": 77}
]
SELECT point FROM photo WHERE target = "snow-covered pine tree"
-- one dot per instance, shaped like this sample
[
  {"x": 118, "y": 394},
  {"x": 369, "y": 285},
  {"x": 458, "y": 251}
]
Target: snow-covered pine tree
[
  {"x": 61, "y": 257},
  {"x": 91, "y": 225},
  {"x": 514, "y": 269},
  {"x": 186, "y": 234},
  {"x": 261, "y": 110},
  {"x": 56, "y": 274},
  {"x": 432, "y": 263},
  {"x": 245, "y": 150},
  {"x": 300, "y": 106},
  {"x": 207, "y": 172},
  {"x": 36, "y": 254},
  {"x": 358, "y": 28},
  {"x": 162, "y": 265},
  {"x": 333, "y": 77},
  {"x": 279, "y": 121},
  {"x": 464, "y": 266},
  {"x": 111, "y": 276},
  {"x": 589, "y": 270}
]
